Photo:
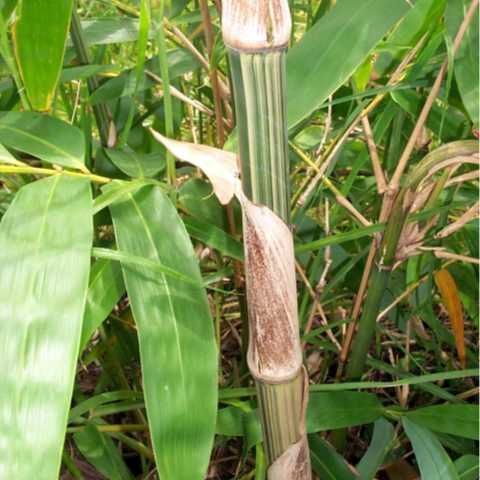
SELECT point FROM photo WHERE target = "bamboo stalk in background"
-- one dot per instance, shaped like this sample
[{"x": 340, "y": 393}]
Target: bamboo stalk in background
[
  {"x": 389, "y": 253},
  {"x": 256, "y": 34},
  {"x": 103, "y": 118}
]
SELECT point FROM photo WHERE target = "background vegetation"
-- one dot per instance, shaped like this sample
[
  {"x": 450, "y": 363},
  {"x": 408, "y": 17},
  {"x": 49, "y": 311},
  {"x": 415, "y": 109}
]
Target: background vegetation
[{"x": 94, "y": 207}]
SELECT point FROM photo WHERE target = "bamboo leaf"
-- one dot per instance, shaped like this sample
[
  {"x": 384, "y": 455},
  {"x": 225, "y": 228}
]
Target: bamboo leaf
[
  {"x": 45, "y": 242},
  {"x": 7, "y": 7},
  {"x": 137, "y": 165},
  {"x": 461, "y": 420},
  {"x": 467, "y": 58},
  {"x": 198, "y": 200},
  {"x": 330, "y": 410},
  {"x": 100, "y": 450},
  {"x": 214, "y": 237},
  {"x": 333, "y": 49},
  {"x": 7, "y": 157},
  {"x": 104, "y": 291},
  {"x": 450, "y": 297},
  {"x": 177, "y": 347},
  {"x": 40, "y": 35},
  {"x": 326, "y": 462},
  {"x": 383, "y": 436},
  {"x": 468, "y": 467},
  {"x": 44, "y": 137},
  {"x": 431, "y": 457}
]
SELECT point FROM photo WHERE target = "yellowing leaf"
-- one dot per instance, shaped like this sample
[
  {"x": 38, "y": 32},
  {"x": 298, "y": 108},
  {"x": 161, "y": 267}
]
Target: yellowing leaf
[{"x": 450, "y": 298}]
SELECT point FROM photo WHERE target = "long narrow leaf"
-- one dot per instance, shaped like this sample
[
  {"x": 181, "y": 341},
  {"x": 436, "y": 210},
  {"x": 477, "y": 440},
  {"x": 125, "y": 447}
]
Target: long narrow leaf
[
  {"x": 177, "y": 347},
  {"x": 45, "y": 242},
  {"x": 332, "y": 50}
]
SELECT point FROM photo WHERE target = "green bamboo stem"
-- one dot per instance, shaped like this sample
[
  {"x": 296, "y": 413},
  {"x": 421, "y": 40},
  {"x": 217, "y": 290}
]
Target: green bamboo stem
[
  {"x": 105, "y": 126},
  {"x": 259, "y": 81},
  {"x": 165, "y": 75},
  {"x": 259, "y": 85}
]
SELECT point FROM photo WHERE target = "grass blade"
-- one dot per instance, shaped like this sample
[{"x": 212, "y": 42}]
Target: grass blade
[{"x": 431, "y": 457}]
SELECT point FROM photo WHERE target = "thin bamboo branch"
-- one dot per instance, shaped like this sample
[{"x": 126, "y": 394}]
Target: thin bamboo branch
[
  {"x": 375, "y": 159},
  {"x": 472, "y": 213},
  {"x": 217, "y": 98},
  {"x": 181, "y": 96},
  {"x": 50, "y": 171},
  {"x": 341, "y": 199}
]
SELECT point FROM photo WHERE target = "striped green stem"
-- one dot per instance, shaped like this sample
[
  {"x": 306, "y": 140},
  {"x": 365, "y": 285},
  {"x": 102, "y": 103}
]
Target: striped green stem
[
  {"x": 259, "y": 86},
  {"x": 257, "y": 49}
]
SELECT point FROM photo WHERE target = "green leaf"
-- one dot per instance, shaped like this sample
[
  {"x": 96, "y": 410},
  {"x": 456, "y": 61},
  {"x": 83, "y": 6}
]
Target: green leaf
[
  {"x": 104, "y": 291},
  {"x": 331, "y": 410},
  {"x": 92, "y": 403},
  {"x": 234, "y": 422},
  {"x": 197, "y": 198},
  {"x": 7, "y": 7},
  {"x": 137, "y": 165},
  {"x": 45, "y": 241},
  {"x": 448, "y": 123},
  {"x": 418, "y": 21},
  {"x": 326, "y": 462},
  {"x": 461, "y": 420},
  {"x": 100, "y": 450},
  {"x": 40, "y": 35},
  {"x": 177, "y": 346},
  {"x": 7, "y": 157},
  {"x": 332, "y": 50},
  {"x": 467, "y": 57},
  {"x": 116, "y": 190},
  {"x": 468, "y": 467},
  {"x": 383, "y": 436},
  {"x": 432, "y": 459},
  {"x": 44, "y": 137},
  {"x": 107, "y": 30},
  {"x": 214, "y": 237},
  {"x": 179, "y": 62}
]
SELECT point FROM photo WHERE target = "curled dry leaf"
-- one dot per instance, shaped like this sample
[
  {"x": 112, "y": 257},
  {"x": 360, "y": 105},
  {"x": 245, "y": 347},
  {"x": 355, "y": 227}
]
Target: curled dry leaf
[
  {"x": 218, "y": 165},
  {"x": 275, "y": 353}
]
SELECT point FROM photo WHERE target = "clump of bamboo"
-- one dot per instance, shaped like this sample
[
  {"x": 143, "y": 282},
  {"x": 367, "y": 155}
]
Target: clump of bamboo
[{"x": 256, "y": 34}]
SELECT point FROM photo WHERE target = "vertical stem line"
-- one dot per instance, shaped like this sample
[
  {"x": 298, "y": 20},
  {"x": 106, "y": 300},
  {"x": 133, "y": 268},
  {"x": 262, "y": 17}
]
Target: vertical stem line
[
  {"x": 106, "y": 129},
  {"x": 167, "y": 97}
]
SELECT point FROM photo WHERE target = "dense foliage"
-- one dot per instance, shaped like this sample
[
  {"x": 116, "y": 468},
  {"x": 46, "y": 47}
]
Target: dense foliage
[{"x": 123, "y": 325}]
